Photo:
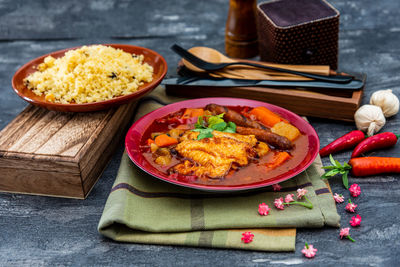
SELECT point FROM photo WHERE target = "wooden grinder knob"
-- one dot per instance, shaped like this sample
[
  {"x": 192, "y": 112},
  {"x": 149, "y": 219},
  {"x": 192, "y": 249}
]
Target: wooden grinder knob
[{"x": 241, "y": 31}]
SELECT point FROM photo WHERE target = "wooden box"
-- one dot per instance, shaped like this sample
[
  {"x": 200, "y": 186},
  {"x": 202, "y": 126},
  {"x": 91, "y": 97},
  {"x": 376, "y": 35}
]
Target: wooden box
[
  {"x": 298, "y": 32},
  {"x": 51, "y": 153}
]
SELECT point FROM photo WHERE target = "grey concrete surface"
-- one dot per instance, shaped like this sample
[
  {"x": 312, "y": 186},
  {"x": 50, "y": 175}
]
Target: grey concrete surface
[{"x": 40, "y": 231}]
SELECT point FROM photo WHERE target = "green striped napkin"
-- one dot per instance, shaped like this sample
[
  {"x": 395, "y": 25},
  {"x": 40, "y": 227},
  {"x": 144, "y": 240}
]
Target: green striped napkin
[{"x": 143, "y": 209}]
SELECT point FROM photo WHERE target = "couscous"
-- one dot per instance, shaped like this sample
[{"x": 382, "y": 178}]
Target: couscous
[{"x": 89, "y": 74}]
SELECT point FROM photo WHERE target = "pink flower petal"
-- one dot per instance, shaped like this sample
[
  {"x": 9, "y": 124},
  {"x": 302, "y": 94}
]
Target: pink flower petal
[
  {"x": 338, "y": 198},
  {"x": 344, "y": 232},
  {"x": 263, "y": 209},
  {"x": 289, "y": 198},
  {"x": 276, "y": 187},
  {"x": 247, "y": 237},
  {"x": 279, "y": 203},
  {"x": 309, "y": 252},
  {"x": 301, "y": 192},
  {"x": 355, "y": 221},
  {"x": 355, "y": 190},
  {"x": 351, "y": 207}
]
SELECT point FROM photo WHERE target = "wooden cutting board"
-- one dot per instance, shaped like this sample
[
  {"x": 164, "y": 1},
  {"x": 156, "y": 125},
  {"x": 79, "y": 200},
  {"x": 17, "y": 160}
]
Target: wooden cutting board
[{"x": 59, "y": 154}]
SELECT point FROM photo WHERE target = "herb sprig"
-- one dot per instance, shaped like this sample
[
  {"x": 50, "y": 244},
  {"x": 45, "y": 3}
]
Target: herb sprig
[
  {"x": 214, "y": 123},
  {"x": 337, "y": 168}
]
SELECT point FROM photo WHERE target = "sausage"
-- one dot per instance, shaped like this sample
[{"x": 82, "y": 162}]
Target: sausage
[
  {"x": 233, "y": 116},
  {"x": 275, "y": 140}
]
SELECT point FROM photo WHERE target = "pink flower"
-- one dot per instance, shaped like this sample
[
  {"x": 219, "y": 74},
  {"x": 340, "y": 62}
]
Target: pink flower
[
  {"x": 263, "y": 209},
  {"x": 338, "y": 198},
  {"x": 355, "y": 221},
  {"x": 276, "y": 187},
  {"x": 279, "y": 203},
  {"x": 301, "y": 192},
  {"x": 309, "y": 251},
  {"x": 351, "y": 207},
  {"x": 289, "y": 198},
  {"x": 355, "y": 190},
  {"x": 345, "y": 232},
  {"x": 247, "y": 237}
]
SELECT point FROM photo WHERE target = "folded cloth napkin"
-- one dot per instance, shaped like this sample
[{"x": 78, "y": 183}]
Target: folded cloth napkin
[{"x": 143, "y": 209}]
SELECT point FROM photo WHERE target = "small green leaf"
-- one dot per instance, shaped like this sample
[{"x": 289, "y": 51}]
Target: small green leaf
[
  {"x": 345, "y": 180},
  {"x": 329, "y": 167},
  {"x": 332, "y": 160},
  {"x": 332, "y": 173},
  {"x": 337, "y": 164},
  {"x": 212, "y": 120},
  {"x": 219, "y": 126},
  {"x": 232, "y": 125},
  {"x": 200, "y": 123},
  {"x": 205, "y": 133}
]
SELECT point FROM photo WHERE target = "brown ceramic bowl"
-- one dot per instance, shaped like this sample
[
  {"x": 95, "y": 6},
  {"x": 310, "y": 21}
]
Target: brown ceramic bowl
[{"x": 150, "y": 57}]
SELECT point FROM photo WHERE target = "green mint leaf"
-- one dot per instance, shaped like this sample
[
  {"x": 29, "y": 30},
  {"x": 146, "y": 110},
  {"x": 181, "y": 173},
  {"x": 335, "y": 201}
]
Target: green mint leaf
[
  {"x": 332, "y": 160},
  {"x": 229, "y": 130},
  {"x": 345, "y": 180},
  {"x": 232, "y": 125},
  {"x": 329, "y": 167},
  {"x": 337, "y": 164},
  {"x": 332, "y": 173},
  {"x": 200, "y": 123},
  {"x": 219, "y": 126},
  {"x": 212, "y": 120},
  {"x": 206, "y": 133}
]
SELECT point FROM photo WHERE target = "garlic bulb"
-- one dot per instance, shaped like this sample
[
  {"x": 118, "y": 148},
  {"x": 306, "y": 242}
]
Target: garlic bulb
[
  {"x": 369, "y": 118},
  {"x": 388, "y": 102}
]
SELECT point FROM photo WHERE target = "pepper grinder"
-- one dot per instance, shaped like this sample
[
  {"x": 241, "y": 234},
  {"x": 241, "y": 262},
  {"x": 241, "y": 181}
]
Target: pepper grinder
[{"x": 241, "y": 31}]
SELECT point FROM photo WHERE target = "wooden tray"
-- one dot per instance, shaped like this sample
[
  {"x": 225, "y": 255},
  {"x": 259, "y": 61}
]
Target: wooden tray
[
  {"x": 51, "y": 153},
  {"x": 336, "y": 105}
]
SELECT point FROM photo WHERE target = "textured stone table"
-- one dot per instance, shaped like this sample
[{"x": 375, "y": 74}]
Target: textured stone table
[{"x": 39, "y": 231}]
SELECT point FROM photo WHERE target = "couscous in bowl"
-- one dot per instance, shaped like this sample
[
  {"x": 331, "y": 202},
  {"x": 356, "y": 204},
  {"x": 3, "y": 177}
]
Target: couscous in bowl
[{"x": 150, "y": 57}]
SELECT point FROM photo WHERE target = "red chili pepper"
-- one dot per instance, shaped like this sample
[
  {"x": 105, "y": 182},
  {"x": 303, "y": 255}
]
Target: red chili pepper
[
  {"x": 347, "y": 141},
  {"x": 366, "y": 166},
  {"x": 382, "y": 140}
]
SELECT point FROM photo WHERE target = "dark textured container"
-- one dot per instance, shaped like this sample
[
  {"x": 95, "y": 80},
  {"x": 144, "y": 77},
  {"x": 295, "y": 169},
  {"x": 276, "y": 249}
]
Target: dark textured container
[{"x": 298, "y": 32}]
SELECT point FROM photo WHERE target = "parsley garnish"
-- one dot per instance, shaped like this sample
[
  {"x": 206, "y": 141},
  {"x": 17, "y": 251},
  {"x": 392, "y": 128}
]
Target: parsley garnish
[{"x": 214, "y": 123}]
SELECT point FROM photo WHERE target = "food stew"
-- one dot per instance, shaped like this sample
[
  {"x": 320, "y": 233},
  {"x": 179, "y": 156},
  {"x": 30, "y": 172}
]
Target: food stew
[{"x": 223, "y": 145}]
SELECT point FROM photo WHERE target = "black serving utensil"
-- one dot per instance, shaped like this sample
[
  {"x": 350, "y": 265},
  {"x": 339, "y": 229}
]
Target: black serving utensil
[{"x": 209, "y": 66}]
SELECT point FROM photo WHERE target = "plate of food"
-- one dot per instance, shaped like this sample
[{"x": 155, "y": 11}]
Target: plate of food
[
  {"x": 89, "y": 78},
  {"x": 222, "y": 144}
]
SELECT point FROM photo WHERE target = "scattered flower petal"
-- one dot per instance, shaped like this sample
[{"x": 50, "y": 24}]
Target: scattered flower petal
[
  {"x": 355, "y": 190},
  {"x": 263, "y": 209},
  {"x": 338, "y": 198},
  {"x": 276, "y": 187},
  {"x": 247, "y": 237},
  {"x": 309, "y": 251},
  {"x": 344, "y": 232},
  {"x": 289, "y": 198},
  {"x": 355, "y": 221},
  {"x": 279, "y": 203},
  {"x": 351, "y": 207},
  {"x": 301, "y": 192}
]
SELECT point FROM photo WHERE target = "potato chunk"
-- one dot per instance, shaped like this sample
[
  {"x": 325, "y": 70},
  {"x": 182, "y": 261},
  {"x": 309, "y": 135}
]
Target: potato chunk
[{"x": 287, "y": 130}]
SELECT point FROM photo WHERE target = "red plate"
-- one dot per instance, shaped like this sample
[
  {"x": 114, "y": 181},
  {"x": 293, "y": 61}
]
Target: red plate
[
  {"x": 135, "y": 134},
  {"x": 150, "y": 57}
]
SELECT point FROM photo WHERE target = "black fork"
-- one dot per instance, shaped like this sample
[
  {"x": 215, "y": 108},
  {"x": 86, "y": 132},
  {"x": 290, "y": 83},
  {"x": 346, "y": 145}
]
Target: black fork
[{"x": 209, "y": 66}]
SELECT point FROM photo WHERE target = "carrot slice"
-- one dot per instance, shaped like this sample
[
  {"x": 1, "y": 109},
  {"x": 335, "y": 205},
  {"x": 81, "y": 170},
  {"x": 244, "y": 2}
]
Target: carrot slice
[
  {"x": 150, "y": 141},
  {"x": 278, "y": 160},
  {"x": 192, "y": 112},
  {"x": 164, "y": 140},
  {"x": 266, "y": 116}
]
